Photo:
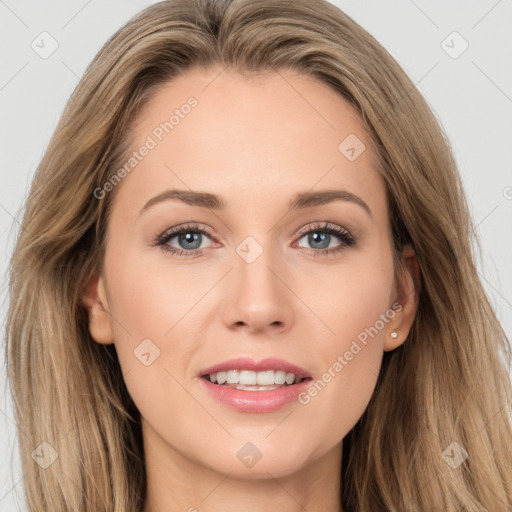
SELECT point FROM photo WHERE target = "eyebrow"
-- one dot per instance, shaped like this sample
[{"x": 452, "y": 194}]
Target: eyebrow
[{"x": 215, "y": 202}]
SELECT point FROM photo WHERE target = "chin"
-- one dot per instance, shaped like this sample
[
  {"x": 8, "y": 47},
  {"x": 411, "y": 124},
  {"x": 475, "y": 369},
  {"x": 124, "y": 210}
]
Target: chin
[{"x": 258, "y": 460}]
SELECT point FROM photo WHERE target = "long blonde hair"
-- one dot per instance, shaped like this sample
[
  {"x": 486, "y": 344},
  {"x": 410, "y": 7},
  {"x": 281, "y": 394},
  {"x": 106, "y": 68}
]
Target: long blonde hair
[{"x": 448, "y": 383}]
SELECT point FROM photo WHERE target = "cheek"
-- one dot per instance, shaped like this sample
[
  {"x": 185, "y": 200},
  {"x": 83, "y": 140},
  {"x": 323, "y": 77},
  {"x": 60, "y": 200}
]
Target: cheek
[
  {"x": 348, "y": 299},
  {"x": 155, "y": 315},
  {"x": 365, "y": 297},
  {"x": 356, "y": 308},
  {"x": 144, "y": 308},
  {"x": 148, "y": 299}
]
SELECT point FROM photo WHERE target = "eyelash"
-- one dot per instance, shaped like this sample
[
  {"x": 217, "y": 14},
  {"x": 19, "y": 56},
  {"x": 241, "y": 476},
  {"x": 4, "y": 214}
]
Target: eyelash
[{"x": 347, "y": 239}]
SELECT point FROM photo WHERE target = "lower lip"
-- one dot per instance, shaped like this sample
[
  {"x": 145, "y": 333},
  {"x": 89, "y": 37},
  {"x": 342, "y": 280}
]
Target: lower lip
[{"x": 255, "y": 401}]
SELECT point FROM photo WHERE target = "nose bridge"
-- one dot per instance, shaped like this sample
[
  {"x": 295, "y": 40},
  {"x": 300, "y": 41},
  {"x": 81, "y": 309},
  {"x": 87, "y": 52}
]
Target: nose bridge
[{"x": 258, "y": 297}]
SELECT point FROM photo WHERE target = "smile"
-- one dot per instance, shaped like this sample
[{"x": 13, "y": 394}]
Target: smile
[
  {"x": 255, "y": 387},
  {"x": 254, "y": 381}
]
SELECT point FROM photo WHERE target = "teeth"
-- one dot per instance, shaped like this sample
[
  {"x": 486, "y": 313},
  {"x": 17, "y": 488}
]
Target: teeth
[
  {"x": 254, "y": 379},
  {"x": 232, "y": 377},
  {"x": 247, "y": 378},
  {"x": 279, "y": 377}
]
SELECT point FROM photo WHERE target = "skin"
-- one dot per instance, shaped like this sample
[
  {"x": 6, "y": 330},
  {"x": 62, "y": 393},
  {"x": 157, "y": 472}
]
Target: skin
[{"x": 256, "y": 142}]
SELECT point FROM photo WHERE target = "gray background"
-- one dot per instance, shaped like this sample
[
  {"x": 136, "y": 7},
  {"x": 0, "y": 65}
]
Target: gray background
[{"x": 470, "y": 93}]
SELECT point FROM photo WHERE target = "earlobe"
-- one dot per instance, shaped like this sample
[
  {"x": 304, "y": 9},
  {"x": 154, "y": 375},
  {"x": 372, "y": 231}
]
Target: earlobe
[
  {"x": 407, "y": 291},
  {"x": 94, "y": 298}
]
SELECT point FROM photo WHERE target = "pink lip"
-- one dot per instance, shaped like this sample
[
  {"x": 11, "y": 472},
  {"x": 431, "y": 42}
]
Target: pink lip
[
  {"x": 256, "y": 401},
  {"x": 243, "y": 363}
]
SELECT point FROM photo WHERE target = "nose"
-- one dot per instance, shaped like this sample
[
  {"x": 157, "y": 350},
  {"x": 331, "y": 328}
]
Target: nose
[{"x": 258, "y": 299}]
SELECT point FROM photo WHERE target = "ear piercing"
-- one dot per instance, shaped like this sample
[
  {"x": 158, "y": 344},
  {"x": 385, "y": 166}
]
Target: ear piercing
[{"x": 394, "y": 335}]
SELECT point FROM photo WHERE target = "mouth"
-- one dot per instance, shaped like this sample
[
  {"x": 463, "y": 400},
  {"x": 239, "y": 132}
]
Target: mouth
[
  {"x": 249, "y": 380},
  {"x": 255, "y": 387}
]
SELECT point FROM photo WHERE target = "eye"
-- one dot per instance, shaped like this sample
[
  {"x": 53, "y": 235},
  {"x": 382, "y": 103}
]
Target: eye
[
  {"x": 189, "y": 239},
  {"x": 320, "y": 237}
]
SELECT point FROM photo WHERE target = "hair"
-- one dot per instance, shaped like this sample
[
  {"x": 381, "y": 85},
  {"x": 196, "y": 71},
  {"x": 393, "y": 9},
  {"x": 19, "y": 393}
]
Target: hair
[{"x": 447, "y": 383}]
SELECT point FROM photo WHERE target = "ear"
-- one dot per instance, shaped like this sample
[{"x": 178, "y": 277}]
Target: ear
[
  {"x": 407, "y": 288},
  {"x": 94, "y": 298}
]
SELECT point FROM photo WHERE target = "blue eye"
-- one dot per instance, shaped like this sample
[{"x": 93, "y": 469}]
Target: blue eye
[
  {"x": 320, "y": 237},
  {"x": 189, "y": 239},
  {"x": 190, "y": 236}
]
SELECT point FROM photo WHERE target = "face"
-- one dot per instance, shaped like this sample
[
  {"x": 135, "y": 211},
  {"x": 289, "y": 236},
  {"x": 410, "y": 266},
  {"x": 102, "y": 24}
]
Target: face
[{"x": 270, "y": 268}]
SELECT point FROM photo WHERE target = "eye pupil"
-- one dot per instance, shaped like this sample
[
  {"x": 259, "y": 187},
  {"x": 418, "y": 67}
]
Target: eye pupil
[
  {"x": 190, "y": 238},
  {"x": 315, "y": 235}
]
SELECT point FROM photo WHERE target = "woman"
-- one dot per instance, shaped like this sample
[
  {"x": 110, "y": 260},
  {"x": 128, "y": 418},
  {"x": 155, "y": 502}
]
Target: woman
[{"x": 259, "y": 367}]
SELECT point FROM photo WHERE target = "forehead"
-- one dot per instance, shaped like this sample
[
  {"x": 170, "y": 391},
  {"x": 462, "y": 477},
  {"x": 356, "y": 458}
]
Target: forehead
[{"x": 253, "y": 139}]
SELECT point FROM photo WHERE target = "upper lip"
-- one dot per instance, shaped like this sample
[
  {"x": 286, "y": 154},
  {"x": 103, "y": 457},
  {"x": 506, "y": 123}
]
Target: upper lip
[{"x": 244, "y": 363}]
